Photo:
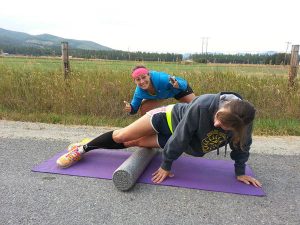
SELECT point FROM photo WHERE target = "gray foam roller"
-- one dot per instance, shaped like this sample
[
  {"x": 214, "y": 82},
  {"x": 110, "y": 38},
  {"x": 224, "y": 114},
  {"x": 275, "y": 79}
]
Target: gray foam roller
[{"x": 126, "y": 175}]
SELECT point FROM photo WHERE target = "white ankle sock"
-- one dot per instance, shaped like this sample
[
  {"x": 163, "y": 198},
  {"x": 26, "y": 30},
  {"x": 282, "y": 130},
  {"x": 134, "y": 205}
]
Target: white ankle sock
[{"x": 81, "y": 150}]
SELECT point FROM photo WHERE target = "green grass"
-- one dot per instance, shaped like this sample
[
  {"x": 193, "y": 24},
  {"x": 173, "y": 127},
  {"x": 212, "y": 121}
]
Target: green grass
[
  {"x": 277, "y": 127},
  {"x": 34, "y": 89}
]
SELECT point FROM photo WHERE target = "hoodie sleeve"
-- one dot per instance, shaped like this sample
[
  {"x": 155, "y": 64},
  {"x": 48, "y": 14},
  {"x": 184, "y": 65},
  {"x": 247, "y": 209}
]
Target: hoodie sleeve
[
  {"x": 181, "y": 137},
  {"x": 240, "y": 156}
]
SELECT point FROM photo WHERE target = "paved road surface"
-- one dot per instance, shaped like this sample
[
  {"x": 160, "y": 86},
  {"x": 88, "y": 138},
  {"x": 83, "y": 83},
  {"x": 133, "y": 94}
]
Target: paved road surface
[{"x": 39, "y": 198}]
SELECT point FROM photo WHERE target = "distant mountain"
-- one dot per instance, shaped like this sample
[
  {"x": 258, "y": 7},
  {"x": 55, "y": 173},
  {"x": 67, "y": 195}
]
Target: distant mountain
[{"x": 20, "y": 39}]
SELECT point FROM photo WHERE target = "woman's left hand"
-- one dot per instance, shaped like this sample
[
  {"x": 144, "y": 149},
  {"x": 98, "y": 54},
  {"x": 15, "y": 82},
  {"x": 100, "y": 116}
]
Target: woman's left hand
[
  {"x": 249, "y": 180},
  {"x": 160, "y": 175},
  {"x": 174, "y": 82}
]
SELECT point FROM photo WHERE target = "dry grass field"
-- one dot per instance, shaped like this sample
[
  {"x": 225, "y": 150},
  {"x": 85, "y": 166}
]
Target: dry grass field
[{"x": 34, "y": 89}]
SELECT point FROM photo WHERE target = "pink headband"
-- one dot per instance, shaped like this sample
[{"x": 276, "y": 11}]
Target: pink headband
[{"x": 138, "y": 72}]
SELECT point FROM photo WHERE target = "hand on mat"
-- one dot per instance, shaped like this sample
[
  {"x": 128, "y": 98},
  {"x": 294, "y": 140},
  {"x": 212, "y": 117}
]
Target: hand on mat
[
  {"x": 127, "y": 106},
  {"x": 160, "y": 175},
  {"x": 249, "y": 180}
]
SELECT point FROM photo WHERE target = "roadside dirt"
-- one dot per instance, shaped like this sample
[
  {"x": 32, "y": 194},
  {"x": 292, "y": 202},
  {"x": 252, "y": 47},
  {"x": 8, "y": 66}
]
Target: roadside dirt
[{"x": 278, "y": 145}]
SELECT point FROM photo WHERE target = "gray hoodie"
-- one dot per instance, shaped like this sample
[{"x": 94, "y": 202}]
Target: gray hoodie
[{"x": 195, "y": 134}]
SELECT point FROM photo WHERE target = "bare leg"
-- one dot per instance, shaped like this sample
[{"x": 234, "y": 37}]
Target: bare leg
[
  {"x": 187, "y": 98},
  {"x": 146, "y": 142},
  {"x": 139, "y": 128},
  {"x": 149, "y": 104}
]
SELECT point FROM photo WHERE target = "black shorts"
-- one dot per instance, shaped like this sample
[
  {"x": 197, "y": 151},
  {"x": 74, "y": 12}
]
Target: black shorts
[
  {"x": 181, "y": 94},
  {"x": 160, "y": 125}
]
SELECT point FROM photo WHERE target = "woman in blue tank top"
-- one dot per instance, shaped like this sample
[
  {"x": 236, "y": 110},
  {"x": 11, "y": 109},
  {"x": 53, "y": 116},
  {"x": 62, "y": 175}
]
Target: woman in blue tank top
[{"x": 153, "y": 87}]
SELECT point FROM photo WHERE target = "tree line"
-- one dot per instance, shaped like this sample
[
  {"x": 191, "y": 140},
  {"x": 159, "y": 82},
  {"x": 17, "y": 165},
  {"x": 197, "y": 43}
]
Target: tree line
[
  {"x": 93, "y": 54},
  {"x": 272, "y": 59}
]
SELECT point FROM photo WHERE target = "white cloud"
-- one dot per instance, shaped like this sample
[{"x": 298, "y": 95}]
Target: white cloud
[{"x": 161, "y": 26}]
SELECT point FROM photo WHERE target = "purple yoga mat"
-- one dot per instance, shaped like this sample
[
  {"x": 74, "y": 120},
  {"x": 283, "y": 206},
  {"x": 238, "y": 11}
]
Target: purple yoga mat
[{"x": 190, "y": 172}]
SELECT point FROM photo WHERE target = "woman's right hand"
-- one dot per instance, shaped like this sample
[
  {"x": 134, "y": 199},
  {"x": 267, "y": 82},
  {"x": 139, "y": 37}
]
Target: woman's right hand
[
  {"x": 127, "y": 107},
  {"x": 160, "y": 175},
  {"x": 249, "y": 180}
]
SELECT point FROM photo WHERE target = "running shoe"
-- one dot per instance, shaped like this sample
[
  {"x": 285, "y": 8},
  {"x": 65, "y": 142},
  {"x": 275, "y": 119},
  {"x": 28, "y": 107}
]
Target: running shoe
[{"x": 70, "y": 158}]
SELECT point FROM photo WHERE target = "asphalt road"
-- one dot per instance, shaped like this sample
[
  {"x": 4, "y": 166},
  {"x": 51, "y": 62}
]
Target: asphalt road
[{"x": 38, "y": 198}]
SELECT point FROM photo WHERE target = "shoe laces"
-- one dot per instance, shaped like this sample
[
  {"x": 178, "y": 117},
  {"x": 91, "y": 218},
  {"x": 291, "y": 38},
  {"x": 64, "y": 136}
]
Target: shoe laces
[{"x": 74, "y": 154}]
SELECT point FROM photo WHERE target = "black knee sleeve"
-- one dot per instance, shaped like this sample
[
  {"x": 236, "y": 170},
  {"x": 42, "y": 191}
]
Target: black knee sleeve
[{"x": 103, "y": 141}]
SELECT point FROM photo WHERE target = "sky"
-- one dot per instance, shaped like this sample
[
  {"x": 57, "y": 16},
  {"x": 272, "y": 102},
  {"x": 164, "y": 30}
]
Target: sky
[{"x": 174, "y": 26}]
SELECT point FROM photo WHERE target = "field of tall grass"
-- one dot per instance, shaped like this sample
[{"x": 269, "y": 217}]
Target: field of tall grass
[{"x": 34, "y": 89}]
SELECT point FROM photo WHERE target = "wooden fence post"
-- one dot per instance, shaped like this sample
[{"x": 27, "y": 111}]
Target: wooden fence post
[
  {"x": 294, "y": 65},
  {"x": 65, "y": 58}
]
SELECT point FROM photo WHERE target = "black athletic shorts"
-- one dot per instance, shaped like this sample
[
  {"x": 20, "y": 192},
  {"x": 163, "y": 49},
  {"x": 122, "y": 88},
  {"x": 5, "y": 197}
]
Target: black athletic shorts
[{"x": 188, "y": 91}]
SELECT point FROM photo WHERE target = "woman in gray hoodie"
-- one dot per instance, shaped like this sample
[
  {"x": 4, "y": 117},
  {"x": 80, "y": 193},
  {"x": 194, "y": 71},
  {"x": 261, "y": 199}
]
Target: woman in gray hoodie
[{"x": 209, "y": 122}]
